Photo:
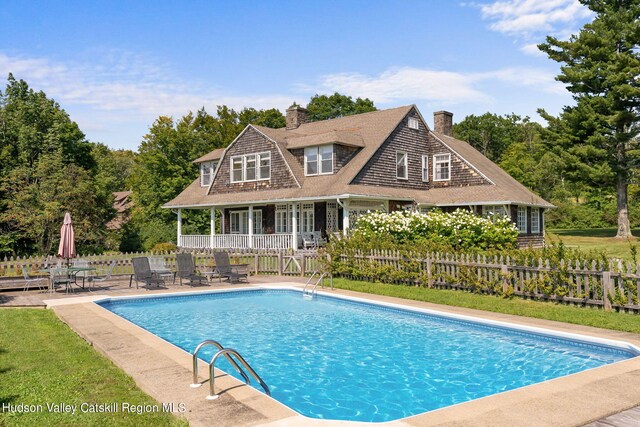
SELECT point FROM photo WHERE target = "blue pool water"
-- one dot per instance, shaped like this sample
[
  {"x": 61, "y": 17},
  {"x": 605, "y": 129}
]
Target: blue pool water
[{"x": 337, "y": 359}]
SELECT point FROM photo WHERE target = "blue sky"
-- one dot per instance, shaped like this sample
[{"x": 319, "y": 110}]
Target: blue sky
[{"x": 116, "y": 66}]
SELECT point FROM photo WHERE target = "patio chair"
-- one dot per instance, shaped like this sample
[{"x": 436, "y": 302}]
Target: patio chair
[
  {"x": 233, "y": 273},
  {"x": 41, "y": 282},
  {"x": 308, "y": 241},
  {"x": 142, "y": 273},
  {"x": 93, "y": 279},
  {"x": 159, "y": 268},
  {"x": 60, "y": 276},
  {"x": 320, "y": 241},
  {"x": 81, "y": 274},
  {"x": 187, "y": 270}
]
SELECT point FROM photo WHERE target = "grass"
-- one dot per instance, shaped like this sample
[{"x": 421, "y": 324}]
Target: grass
[
  {"x": 600, "y": 239},
  {"x": 42, "y": 361},
  {"x": 538, "y": 309}
]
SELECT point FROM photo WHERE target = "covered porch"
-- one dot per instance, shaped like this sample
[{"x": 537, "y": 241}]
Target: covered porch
[{"x": 279, "y": 226}]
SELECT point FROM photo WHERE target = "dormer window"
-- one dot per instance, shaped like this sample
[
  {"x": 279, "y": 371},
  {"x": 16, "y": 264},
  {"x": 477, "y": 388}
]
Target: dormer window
[
  {"x": 251, "y": 167},
  {"x": 206, "y": 173},
  {"x": 413, "y": 123},
  {"x": 442, "y": 167},
  {"x": 318, "y": 160}
]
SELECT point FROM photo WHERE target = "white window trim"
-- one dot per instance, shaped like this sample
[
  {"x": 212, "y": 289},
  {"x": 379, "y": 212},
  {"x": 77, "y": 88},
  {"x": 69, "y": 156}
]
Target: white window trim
[
  {"x": 406, "y": 165},
  {"x": 257, "y": 221},
  {"x": 535, "y": 227},
  {"x": 203, "y": 167},
  {"x": 413, "y": 120},
  {"x": 258, "y": 158},
  {"x": 521, "y": 209},
  {"x": 240, "y": 212},
  {"x": 435, "y": 163},
  {"x": 319, "y": 160},
  {"x": 425, "y": 167}
]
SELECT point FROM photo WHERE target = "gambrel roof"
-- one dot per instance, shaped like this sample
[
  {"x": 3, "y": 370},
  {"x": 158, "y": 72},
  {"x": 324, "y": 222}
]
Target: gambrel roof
[{"x": 367, "y": 133}]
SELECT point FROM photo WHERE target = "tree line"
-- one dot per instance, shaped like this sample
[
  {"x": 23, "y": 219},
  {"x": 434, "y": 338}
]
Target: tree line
[{"x": 584, "y": 161}]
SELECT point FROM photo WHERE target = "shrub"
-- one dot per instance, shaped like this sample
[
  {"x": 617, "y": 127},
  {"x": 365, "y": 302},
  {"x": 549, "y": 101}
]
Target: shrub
[{"x": 164, "y": 247}]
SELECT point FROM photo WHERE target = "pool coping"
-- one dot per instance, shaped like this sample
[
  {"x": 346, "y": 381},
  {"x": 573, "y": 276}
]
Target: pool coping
[{"x": 571, "y": 400}]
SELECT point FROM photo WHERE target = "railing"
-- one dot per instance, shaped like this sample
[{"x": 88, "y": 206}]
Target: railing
[{"x": 237, "y": 241}]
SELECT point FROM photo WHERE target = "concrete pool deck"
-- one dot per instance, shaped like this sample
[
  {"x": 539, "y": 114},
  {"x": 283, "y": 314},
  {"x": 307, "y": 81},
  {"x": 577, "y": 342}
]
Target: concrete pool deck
[{"x": 164, "y": 371}]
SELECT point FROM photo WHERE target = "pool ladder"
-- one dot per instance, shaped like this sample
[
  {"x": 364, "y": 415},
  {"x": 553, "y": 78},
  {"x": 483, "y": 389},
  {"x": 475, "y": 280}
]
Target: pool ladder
[
  {"x": 311, "y": 292},
  {"x": 227, "y": 353}
]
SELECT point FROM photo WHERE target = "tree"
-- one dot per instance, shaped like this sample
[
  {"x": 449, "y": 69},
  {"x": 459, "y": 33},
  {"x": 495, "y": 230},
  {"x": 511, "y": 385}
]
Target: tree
[
  {"x": 492, "y": 134},
  {"x": 600, "y": 68},
  {"x": 323, "y": 107}
]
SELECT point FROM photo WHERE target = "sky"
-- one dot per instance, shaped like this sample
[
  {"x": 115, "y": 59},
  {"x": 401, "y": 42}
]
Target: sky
[{"x": 116, "y": 66}]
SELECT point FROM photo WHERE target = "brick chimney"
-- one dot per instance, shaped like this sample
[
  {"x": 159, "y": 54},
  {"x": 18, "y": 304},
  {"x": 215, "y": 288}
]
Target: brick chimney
[
  {"x": 442, "y": 122},
  {"x": 296, "y": 116}
]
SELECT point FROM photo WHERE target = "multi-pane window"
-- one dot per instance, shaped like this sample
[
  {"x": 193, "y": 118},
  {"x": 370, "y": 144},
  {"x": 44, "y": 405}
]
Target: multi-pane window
[
  {"x": 442, "y": 167},
  {"x": 257, "y": 221},
  {"x": 413, "y": 123},
  {"x": 332, "y": 216},
  {"x": 318, "y": 160},
  {"x": 425, "y": 168},
  {"x": 535, "y": 220},
  {"x": 281, "y": 219},
  {"x": 521, "y": 222},
  {"x": 206, "y": 173},
  {"x": 251, "y": 167},
  {"x": 402, "y": 170},
  {"x": 239, "y": 222},
  {"x": 307, "y": 218},
  {"x": 494, "y": 209}
]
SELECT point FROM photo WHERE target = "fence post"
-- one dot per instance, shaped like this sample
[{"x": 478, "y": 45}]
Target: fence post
[
  {"x": 429, "y": 276},
  {"x": 504, "y": 271},
  {"x": 279, "y": 263},
  {"x": 302, "y": 264},
  {"x": 607, "y": 286},
  {"x": 256, "y": 261}
]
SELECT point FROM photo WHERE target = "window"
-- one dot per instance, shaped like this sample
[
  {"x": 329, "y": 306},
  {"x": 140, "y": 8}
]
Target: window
[
  {"x": 535, "y": 220},
  {"x": 206, "y": 173},
  {"x": 332, "y": 216},
  {"x": 401, "y": 165},
  {"x": 425, "y": 168},
  {"x": 318, "y": 160},
  {"x": 494, "y": 209},
  {"x": 308, "y": 224},
  {"x": 521, "y": 222},
  {"x": 251, "y": 167},
  {"x": 281, "y": 219},
  {"x": 413, "y": 123},
  {"x": 442, "y": 167},
  {"x": 257, "y": 221},
  {"x": 239, "y": 222}
]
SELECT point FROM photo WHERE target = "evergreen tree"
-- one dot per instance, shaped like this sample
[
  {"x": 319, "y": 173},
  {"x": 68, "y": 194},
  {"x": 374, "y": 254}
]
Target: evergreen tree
[{"x": 597, "y": 137}]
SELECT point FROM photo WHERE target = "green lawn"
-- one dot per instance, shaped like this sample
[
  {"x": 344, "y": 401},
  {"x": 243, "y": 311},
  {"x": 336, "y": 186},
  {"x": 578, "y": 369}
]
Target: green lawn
[
  {"x": 538, "y": 309},
  {"x": 42, "y": 361},
  {"x": 600, "y": 239}
]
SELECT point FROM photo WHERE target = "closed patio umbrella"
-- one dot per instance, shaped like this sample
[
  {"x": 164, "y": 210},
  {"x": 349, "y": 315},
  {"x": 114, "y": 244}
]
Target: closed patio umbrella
[{"x": 67, "y": 248}]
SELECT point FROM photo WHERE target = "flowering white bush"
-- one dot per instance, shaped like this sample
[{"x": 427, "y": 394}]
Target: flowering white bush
[{"x": 459, "y": 229}]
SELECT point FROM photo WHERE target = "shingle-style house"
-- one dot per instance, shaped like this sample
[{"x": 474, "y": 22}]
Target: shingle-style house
[{"x": 274, "y": 186}]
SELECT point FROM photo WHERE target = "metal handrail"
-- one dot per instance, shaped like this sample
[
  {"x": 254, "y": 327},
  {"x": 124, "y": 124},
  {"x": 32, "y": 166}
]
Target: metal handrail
[
  {"x": 304, "y": 290},
  {"x": 219, "y": 347},
  {"x": 315, "y": 286},
  {"x": 227, "y": 352}
]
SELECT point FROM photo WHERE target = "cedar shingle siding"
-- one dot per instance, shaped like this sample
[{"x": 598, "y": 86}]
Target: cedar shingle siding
[
  {"x": 342, "y": 154},
  {"x": 252, "y": 142},
  {"x": 381, "y": 168}
]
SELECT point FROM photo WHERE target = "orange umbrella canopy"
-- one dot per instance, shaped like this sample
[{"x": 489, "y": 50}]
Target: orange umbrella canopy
[{"x": 67, "y": 248}]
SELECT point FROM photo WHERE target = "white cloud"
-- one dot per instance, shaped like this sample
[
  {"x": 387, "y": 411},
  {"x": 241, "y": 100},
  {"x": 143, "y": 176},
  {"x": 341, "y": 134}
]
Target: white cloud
[
  {"x": 125, "y": 84},
  {"x": 533, "y": 19},
  {"x": 432, "y": 86}
]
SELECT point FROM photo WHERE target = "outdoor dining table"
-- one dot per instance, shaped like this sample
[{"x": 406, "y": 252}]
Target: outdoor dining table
[{"x": 70, "y": 272}]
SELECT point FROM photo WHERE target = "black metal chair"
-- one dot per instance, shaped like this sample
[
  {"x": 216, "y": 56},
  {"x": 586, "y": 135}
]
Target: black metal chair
[
  {"x": 187, "y": 270},
  {"x": 233, "y": 273},
  {"x": 142, "y": 273}
]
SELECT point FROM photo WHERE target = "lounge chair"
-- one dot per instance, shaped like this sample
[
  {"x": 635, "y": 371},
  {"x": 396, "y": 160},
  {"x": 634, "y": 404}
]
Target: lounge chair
[
  {"x": 233, "y": 273},
  {"x": 187, "y": 270},
  {"x": 142, "y": 273},
  {"x": 41, "y": 282},
  {"x": 99, "y": 279}
]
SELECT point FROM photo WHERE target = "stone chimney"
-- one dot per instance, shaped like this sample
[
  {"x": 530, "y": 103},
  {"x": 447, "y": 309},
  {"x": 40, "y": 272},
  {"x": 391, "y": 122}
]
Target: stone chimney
[
  {"x": 442, "y": 122},
  {"x": 296, "y": 116}
]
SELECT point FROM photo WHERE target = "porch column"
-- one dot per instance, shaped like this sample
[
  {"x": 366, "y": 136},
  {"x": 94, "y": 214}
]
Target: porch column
[
  {"x": 294, "y": 227},
  {"x": 345, "y": 217},
  {"x": 179, "y": 237},
  {"x": 250, "y": 226},
  {"x": 222, "y": 227},
  {"x": 212, "y": 225}
]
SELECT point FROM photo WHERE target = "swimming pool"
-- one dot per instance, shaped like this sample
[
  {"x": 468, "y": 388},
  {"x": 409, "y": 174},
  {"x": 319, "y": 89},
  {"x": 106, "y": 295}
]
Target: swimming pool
[{"x": 343, "y": 359}]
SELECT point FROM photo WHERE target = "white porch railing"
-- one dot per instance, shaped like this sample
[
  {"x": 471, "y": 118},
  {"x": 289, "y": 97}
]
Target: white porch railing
[{"x": 237, "y": 241}]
